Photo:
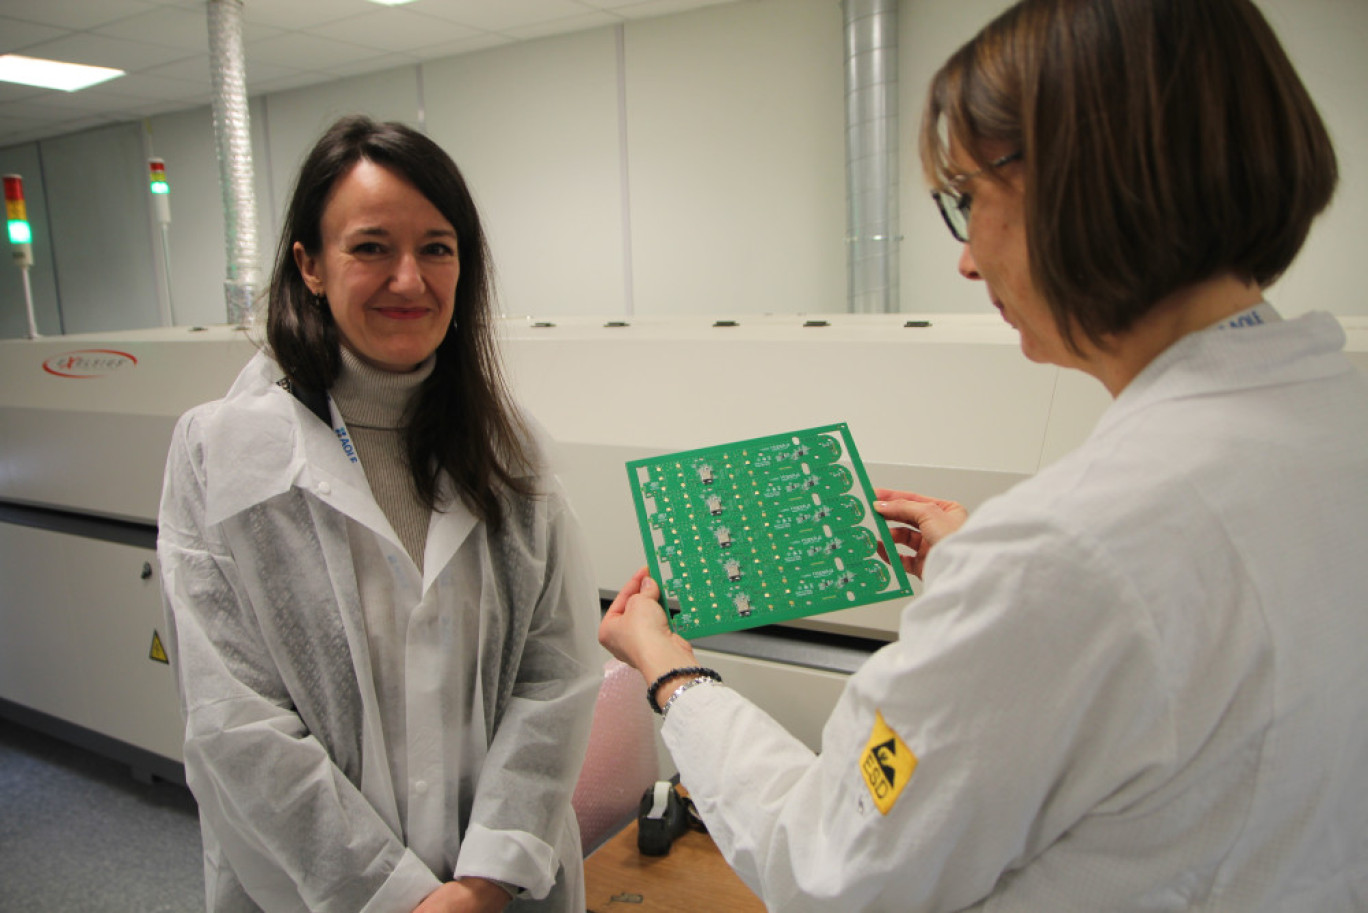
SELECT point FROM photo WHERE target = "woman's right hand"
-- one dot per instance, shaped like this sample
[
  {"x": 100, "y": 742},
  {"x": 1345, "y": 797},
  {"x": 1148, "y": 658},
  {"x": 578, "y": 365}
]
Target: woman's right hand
[
  {"x": 636, "y": 630},
  {"x": 917, "y": 523}
]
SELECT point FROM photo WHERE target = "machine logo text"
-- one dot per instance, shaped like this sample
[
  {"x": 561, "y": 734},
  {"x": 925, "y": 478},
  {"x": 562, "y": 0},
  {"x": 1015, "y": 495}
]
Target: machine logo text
[{"x": 87, "y": 363}]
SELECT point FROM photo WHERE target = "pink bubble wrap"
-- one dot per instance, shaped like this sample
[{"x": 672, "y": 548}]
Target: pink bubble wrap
[{"x": 621, "y": 762}]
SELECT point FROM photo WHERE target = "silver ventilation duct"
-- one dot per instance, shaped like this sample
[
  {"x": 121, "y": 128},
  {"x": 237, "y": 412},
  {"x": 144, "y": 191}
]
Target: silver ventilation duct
[
  {"x": 872, "y": 231},
  {"x": 233, "y": 134}
]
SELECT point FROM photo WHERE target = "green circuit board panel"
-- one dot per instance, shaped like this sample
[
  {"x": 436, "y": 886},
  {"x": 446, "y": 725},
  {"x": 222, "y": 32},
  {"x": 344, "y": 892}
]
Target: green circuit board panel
[{"x": 762, "y": 531}]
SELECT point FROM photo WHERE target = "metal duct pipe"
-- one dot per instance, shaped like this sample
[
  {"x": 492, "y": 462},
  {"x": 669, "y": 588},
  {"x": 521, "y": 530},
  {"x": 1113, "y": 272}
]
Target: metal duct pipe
[
  {"x": 872, "y": 231},
  {"x": 232, "y": 131}
]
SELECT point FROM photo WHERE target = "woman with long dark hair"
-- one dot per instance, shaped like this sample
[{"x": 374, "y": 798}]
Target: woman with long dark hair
[{"x": 382, "y": 619}]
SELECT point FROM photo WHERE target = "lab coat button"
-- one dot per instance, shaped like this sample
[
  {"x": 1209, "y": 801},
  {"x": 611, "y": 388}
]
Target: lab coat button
[
  {"x": 420, "y": 786},
  {"x": 324, "y": 488}
]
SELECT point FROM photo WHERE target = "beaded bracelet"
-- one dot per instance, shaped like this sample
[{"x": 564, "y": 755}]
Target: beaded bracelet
[
  {"x": 678, "y": 692},
  {"x": 700, "y": 671}
]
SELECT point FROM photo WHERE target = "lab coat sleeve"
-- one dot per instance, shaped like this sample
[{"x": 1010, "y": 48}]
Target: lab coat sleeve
[
  {"x": 293, "y": 830},
  {"x": 522, "y": 824},
  {"x": 1024, "y": 683}
]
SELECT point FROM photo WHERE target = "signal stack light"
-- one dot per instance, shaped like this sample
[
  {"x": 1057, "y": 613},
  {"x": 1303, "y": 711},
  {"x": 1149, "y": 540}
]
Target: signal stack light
[
  {"x": 16, "y": 218},
  {"x": 160, "y": 188},
  {"x": 21, "y": 240}
]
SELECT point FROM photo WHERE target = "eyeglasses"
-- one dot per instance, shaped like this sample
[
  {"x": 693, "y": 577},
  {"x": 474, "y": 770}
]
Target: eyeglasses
[{"x": 954, "y": 205}]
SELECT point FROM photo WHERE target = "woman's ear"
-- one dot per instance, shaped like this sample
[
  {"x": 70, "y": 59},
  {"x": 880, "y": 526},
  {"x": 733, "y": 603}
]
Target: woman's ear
[{"x": 308, "y": 268}]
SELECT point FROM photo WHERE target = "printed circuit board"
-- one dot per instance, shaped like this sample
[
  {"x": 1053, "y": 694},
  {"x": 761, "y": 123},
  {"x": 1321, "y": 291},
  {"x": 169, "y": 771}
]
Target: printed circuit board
[{"x": 763, "y": 530}]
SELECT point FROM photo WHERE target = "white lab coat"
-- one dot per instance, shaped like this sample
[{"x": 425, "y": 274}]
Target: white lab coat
[
  {"x": 267, "y": 525},
  {"x": 1137, "y": 681}
]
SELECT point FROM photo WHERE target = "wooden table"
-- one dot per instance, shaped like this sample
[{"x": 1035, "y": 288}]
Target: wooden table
[{"x": 693, "y": 878}]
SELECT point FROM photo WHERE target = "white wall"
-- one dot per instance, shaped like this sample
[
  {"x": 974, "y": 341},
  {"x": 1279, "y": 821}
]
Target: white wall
[
  {"x": 103, "y": 241},
  {"x": 1325, "y": 40},
  {"x": 689, "y": 164},
  {"x": 534, "y": 129},
  {"x": 737, "y": 138}
]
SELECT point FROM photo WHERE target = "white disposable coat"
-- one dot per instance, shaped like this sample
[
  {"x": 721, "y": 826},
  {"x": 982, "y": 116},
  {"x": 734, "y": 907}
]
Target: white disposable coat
[
  {"x": 1136, "y": 682},
  {"x": 266, "y": 525}
]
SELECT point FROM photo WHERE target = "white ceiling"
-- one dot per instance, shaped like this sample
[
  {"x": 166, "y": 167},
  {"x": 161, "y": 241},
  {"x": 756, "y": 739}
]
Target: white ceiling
[{"x": 163, "y": 45}]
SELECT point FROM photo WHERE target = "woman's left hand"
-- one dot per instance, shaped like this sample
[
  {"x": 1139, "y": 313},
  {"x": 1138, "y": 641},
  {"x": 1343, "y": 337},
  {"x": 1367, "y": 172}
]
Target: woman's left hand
[
  {"x": 466, "y": 895},
  {"x": 636, "y": 630}
]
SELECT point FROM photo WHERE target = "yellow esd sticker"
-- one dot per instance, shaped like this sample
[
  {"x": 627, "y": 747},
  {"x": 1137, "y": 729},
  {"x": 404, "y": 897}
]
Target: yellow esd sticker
[{"x": 887, "y": 764}]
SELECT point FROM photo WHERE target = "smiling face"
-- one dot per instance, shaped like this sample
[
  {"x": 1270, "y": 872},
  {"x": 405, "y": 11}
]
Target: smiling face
[
  {"x": 997, "y": 254},
  {"x": 387, "y": 265}
]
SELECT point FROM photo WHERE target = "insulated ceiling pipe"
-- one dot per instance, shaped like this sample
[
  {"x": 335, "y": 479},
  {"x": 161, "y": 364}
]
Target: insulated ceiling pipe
[
  {"x": 233, "y": 134},
  {"x": 872, "y": 233}
]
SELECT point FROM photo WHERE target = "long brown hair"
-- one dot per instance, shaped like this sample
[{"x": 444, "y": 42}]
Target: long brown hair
[
  {"x": 462, "y": 421},
  {"x": 1164, "y": 142}
]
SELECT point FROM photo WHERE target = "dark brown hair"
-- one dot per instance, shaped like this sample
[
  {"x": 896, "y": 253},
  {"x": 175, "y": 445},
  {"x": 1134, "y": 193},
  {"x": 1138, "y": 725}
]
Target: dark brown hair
[
  {"x": 1165, "y": 142},
  {"x": 462, "y": 421}
]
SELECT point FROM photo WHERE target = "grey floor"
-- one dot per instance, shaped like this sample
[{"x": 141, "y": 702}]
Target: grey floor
[{"x": 78, "y": 834}]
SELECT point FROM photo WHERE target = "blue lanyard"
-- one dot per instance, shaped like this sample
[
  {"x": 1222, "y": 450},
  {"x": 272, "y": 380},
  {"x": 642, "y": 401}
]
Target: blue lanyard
[{"x": 345, "y": 439}]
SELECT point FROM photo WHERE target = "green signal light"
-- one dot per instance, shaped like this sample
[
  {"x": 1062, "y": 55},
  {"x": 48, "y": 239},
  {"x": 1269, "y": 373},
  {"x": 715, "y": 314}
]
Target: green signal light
[
  {"x": 19, "y": 232},
  {"x": 160, "y": 187}
]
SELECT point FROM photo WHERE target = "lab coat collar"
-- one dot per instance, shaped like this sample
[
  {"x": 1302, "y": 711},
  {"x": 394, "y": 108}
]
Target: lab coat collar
[
  {"x": 263, "y": 441},
  {"x": 284, "y": 445},
  {"x": 448, "y": 528},
  {"x": 1216, "y": 360}
]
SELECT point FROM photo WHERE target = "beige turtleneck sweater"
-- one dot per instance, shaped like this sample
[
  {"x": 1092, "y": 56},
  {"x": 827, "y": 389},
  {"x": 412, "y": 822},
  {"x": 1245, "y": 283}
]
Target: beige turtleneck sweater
[{"x": 372, "y": 403}]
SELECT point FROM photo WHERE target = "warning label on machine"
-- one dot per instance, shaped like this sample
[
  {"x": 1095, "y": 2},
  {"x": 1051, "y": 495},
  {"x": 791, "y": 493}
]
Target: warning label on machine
[{"x": 158, "y": 652}]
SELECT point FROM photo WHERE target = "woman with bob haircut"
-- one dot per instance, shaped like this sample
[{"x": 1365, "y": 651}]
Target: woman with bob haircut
[
  {"x": 381, "y": 614},
  {"x": 1134, "y": 682}
]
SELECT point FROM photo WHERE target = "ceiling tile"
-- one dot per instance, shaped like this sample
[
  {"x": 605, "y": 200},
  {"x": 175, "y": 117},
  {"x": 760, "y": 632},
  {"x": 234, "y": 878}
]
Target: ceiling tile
[
  {"x": 497, "y": 17},
  {"x": 142, "y": 88},
  {"x": 12, "y": 91},
  {"x": 652, "y": 8},
  {"x": 479, "y": 42},
  {"x": 16, "y": 34},
  {"x": 11, "y": 123},
  {"x": 395, "y": 29},
  {"x": 298, "y": 80},
  {"x": 38, "y": 110},
  {"x": 74, "y": 14},
  {"x": 175, "y": 27},
  {"x": 302, "y": 51},
  {"x": 193, "y": 70},
  {"x": 610, "y": 4},
  {"x": 373, "y": 65},
  {"x": 153, "y": 109},
  {"x": 302, "y": 14},
  {"x": 562, "y": 26},
  {"x": 102, "y": 51},
  {"x": 92, "y": 104}
]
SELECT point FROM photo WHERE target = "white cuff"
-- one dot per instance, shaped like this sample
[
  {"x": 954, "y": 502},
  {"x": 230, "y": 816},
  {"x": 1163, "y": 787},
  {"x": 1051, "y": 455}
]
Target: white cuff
[
  {"x": 406, "y": 886},
  {"x": 513, "y": 857}
]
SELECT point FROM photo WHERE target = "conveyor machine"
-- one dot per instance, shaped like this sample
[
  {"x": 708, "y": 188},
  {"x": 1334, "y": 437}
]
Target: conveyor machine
[{"x": 941, "y": 404}]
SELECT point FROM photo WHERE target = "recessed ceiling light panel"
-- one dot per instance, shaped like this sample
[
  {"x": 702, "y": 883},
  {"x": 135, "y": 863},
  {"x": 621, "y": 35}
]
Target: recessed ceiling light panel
[{"x": 52, "y": 74}]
